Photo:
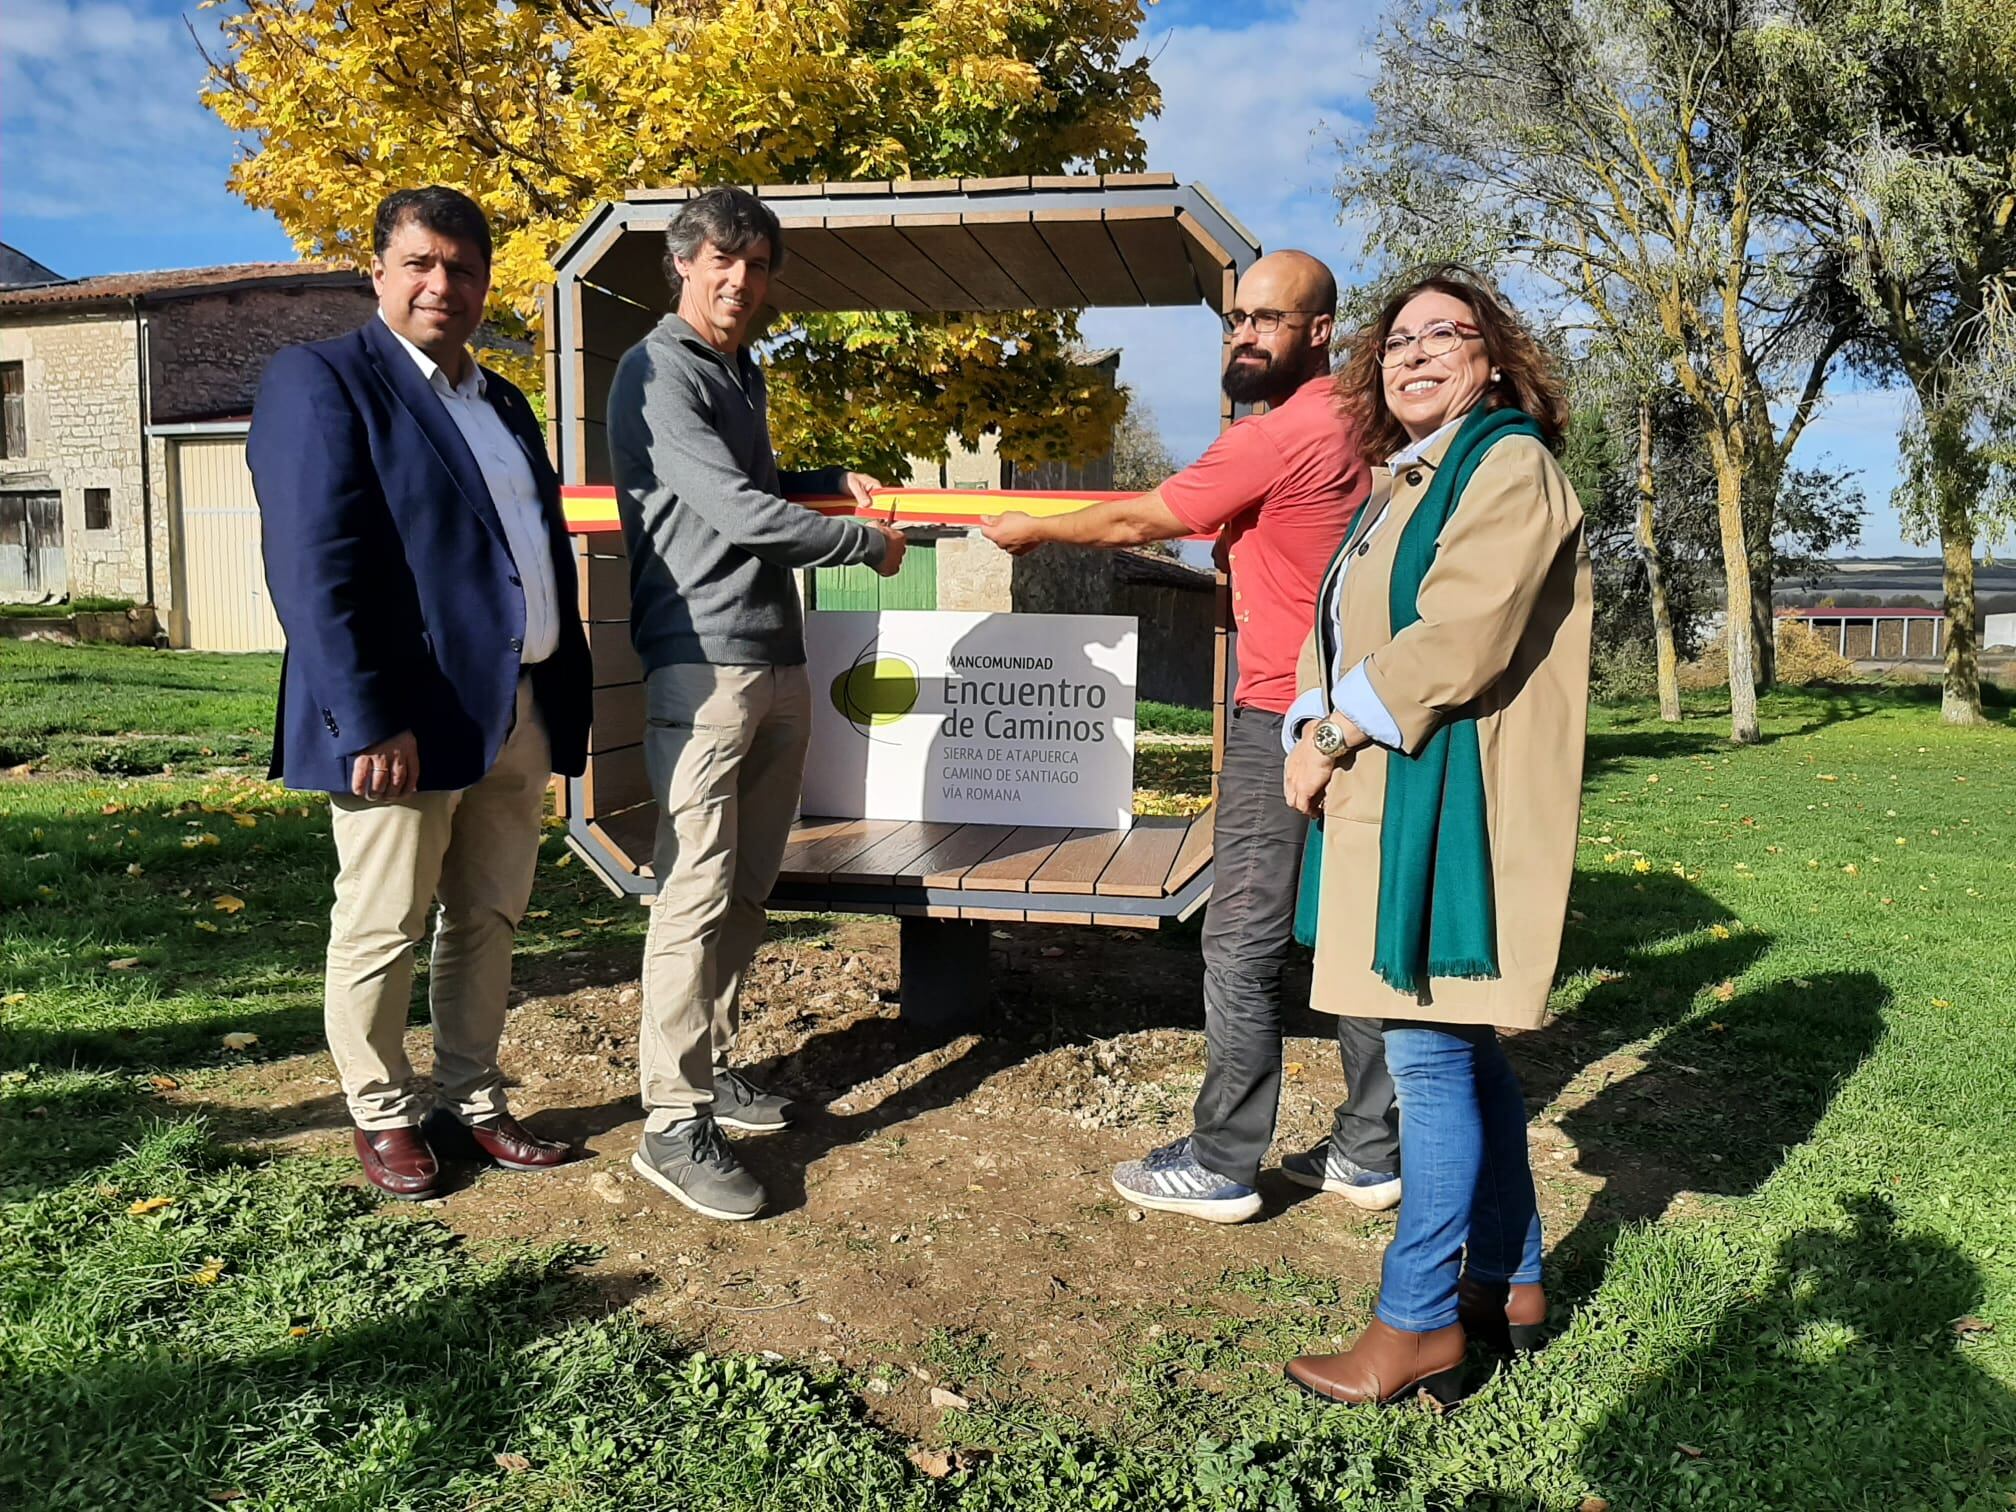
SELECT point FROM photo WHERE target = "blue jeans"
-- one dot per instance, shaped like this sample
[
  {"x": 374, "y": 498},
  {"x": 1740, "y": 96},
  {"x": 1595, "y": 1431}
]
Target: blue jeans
[{"x": 1469, "y": 1185}]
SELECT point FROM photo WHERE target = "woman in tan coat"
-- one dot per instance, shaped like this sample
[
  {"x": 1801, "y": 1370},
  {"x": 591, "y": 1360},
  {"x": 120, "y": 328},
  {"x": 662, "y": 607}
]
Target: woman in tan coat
[{"x": 1439, "y": 739}]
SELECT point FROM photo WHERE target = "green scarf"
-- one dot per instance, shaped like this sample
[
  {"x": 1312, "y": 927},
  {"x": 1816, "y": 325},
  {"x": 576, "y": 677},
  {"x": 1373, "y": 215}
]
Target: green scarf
[{"x": 1437, "y": 915}]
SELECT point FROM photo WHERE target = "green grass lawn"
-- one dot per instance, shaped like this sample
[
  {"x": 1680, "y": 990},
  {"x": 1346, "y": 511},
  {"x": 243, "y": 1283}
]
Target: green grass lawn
[
  {"x": 126, "y": 709},
  {"x": 1802, "y": 953}
]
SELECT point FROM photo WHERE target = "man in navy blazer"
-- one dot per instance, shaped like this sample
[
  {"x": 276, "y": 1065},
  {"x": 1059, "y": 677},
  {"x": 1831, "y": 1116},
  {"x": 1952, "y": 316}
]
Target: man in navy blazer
[{"x": 436, "y": 675}]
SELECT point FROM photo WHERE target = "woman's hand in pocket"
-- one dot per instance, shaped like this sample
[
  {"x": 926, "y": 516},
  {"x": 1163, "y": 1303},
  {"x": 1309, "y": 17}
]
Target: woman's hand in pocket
[{"x": 1307, "y": 777}]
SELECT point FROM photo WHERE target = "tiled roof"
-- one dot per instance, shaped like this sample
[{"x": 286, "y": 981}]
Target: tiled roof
[{"x": 172, "y": 283}]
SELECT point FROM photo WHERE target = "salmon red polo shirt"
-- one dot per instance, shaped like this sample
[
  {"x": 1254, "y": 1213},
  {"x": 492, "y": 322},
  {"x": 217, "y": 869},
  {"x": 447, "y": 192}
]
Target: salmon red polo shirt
[{"x": 1281, "y": 489}]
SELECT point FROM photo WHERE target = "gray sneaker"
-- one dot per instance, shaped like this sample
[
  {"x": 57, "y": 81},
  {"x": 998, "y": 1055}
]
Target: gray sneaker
[
  {"x": 1328, "y": 1170},
  {"x": 1172, "y": 1180},
  {"x": 693, "y": 1162},
  {"x": 741, "y": 1105}
]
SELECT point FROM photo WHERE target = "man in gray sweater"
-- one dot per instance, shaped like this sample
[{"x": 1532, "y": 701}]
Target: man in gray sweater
[{"x": 715, "y": 617}]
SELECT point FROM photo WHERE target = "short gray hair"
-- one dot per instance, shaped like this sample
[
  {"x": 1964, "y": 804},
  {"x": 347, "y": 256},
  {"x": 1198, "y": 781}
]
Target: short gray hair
[{"x": 732, "y": 219}]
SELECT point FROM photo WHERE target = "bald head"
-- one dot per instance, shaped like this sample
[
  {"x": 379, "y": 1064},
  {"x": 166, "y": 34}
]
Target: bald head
[
  {"x": 1296, "y": 295},
  {"x": 1288, "y": 280}
]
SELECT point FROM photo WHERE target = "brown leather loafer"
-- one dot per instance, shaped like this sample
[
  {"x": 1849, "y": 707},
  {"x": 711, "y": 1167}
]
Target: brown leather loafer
[
  {"x": 1387, "y": 1364},
  {"x": 508, "y": 1143},
  {"x": 399, "y": 1163},
  {"x": 1509, "y": 1318}
]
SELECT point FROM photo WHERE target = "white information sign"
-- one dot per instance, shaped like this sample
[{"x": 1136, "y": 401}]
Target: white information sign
[{"x": 972, "y": 718}]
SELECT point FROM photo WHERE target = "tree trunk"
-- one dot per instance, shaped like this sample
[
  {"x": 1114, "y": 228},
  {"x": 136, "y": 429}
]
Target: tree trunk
[
  {"x": 1667, "y": 657},
  {"x": 1743, "y": 729},
  {"x": 1763, "y": 620},
  {"x": 1960, "y": 690}
]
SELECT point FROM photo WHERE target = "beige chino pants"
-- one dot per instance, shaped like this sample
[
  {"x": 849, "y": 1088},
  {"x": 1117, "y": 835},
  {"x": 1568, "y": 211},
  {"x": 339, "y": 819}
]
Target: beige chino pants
[
  {"x": 475, "y": 850},
  {"x": 725, "y": 748}
]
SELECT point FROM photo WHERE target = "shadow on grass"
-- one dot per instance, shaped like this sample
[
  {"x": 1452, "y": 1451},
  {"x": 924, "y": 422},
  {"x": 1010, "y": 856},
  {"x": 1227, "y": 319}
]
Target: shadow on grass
[{"x": 1846, "y": 1382}]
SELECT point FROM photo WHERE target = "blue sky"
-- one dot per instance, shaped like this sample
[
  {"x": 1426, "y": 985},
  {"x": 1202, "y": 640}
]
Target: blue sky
[{"x": 109, "y": 163}]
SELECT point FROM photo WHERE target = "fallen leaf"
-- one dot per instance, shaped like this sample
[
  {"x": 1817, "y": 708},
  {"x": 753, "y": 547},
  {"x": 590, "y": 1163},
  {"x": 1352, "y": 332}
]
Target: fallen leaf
[
  {"x": 512, "y": 1464},
  {"x": 1592, "y": 1504},
  {"x": 113, "y": 808},
  {"x": 148, "y": 1205},
  {"x": 15, "y": 997},
  {"x": 1051, "y": 952},
  {"x": 245, "y": 821},
  {"x": 570, "y": 934},
  {"x": 1652, "y": 779},
  {"x": 163, "y": 1083},
  {"x": 1725, "y": 992},
  {"x": 213, "y": 1267},
  {"x": 1688, "y": 1449},
  {"x": 936, "y": 1463},
  {"x": 226, "y": 903},
  {"x": 598, "y": 923},
  {"x": 606, "y": 1186},
  {"x": 206, "y": 926},
  {"x": 1801, "y": 983},
  {"x": 136, "y": 870},
  {"x": 1293, "y": 1068},
  {"x": 1852, "y": 869},
  {"x": 1941, "y": 1003},
  {"x": 1720, "y": 931},
  {"x": 1829, "y": 777},
  {"x": 566, "y": 860},
  {"x": 124, "y": 963},
  {"x": 240, "y": 1039},
  {"x": 538, "y": 913},
  {"x": 951, "y": 1400},
  {"x": 299, "y": 1331},
  {"x": 1971, "y": 1325}
]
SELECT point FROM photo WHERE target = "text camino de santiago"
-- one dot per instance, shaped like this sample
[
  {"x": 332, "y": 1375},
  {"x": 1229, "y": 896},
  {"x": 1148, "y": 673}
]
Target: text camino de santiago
[{"x": 984, "y": 708}]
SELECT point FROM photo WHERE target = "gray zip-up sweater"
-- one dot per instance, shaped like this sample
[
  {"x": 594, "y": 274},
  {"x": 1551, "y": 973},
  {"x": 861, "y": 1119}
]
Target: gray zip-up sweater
[{"x": 712, "y": 542}]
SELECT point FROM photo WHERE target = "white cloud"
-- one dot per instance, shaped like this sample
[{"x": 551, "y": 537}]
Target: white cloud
[
  {"x": 1251, "y": 111},
  {"x": 99, "y": 115}
]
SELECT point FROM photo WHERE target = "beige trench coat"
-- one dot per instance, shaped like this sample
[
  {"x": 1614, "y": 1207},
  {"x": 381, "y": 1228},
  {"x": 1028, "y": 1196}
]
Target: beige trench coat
[{"x": 1503, "y": 635}]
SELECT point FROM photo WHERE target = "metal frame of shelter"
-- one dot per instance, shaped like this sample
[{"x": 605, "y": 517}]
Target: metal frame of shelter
[{"x": 967, "y": 245}]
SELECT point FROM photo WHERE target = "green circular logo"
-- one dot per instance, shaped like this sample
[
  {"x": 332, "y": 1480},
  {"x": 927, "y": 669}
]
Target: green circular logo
[{"x": 876, "y": 690}]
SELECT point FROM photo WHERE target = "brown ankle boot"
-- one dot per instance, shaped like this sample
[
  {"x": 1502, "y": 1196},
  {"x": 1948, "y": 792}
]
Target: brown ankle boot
[
  {"x": 1508, "y": 1318},
  {"x": 1385, "y": 1364}
]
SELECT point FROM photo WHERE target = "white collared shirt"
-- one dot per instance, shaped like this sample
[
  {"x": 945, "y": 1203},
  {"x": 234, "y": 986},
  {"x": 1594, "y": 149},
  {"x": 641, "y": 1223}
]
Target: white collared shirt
[
  {"x": 507, "y": 473},
  {"x": 1353, "y": 696}
]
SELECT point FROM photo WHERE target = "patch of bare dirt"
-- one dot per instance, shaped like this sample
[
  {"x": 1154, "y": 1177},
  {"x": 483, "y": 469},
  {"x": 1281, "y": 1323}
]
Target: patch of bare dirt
[{"x": 935, "y": 1191}]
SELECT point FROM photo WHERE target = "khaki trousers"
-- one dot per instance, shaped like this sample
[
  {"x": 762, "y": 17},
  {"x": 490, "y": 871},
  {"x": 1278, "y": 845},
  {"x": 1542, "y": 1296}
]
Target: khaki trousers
[
  {"x": 476, "y": 851},
  {"x": 725, "y": 748}
]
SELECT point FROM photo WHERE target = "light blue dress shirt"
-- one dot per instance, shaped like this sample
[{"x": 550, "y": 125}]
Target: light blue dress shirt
[{"x": 1353, "y": 696}]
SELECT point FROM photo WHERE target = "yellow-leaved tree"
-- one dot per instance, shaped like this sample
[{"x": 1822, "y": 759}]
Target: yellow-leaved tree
[{"x": 540, "y": 109}]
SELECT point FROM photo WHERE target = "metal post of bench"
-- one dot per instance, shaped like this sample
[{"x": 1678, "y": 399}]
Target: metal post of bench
[{"x": 946, "y": 987}]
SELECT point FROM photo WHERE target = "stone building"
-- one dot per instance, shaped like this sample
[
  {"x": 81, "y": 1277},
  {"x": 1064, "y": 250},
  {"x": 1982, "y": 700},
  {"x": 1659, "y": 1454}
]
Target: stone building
[{"x": 106, "y": 381}]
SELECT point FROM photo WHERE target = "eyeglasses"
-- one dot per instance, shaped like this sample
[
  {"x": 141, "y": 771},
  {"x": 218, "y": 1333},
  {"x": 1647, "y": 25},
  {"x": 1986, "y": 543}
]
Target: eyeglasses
[
  {"x": 1436, "y": 340},
  {"x": 1265, "y": 322}
]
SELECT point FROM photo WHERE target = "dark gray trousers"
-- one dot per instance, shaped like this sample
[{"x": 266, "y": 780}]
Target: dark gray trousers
[{"x": 1248, "y": 929}]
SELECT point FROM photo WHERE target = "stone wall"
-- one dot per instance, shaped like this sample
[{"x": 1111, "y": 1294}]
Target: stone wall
[
  {"x": 84, "y": 414},
  {"x": 205, "y": 353},
  {"x": 82, "y": 409}
]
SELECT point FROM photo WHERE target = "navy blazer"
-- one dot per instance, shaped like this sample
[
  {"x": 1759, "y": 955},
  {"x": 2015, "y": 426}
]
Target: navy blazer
[{"x": 391, "y": 574}]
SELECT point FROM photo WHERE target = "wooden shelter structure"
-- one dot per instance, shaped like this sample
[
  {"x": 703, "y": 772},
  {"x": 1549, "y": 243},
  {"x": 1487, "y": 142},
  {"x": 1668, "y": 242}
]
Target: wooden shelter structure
[{"x": 1064, "y": 242}]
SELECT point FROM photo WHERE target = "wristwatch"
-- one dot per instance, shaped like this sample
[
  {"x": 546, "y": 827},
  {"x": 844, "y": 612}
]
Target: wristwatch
[{"x": 1328, "y": 736}]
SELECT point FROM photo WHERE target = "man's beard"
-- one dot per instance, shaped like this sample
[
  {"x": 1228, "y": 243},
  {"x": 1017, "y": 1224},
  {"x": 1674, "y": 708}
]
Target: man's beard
[{"x": 1268, "y": 383}]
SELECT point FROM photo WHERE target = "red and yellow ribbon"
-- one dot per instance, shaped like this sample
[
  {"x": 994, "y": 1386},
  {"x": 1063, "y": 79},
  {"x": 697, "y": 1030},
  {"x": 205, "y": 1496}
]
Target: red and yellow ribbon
[{"x": 592, "y": 507}]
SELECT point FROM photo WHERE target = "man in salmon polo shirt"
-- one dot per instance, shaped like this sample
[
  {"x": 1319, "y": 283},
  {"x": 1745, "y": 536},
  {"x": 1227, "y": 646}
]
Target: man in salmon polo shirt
[{"x": 1279, "y": 491}]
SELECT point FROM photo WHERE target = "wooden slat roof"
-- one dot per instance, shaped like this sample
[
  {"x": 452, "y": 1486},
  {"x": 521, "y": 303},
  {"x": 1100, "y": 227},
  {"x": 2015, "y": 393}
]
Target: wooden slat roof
[{"x": 1067, "y": 241}]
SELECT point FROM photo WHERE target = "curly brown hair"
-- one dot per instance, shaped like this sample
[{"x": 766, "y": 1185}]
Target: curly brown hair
[{"x": 1525, "y": 376}]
